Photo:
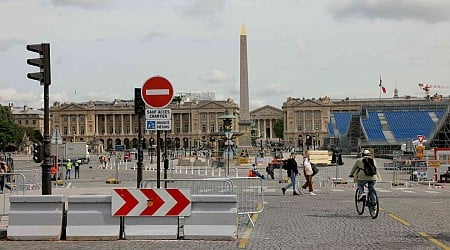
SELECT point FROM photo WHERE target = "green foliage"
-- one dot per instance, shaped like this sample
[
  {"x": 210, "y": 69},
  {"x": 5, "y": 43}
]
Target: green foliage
[
  {"x": 278, "y": 128},
  {"x": 11, "y": 134}
]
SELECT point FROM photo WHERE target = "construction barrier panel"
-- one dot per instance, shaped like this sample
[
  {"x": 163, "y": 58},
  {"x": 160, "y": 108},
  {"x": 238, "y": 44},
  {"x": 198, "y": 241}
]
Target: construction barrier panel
[
  {"x": 36, "y": 217},
  {"x": 89, "y": 218},
  {"x": 151, "y": 228},
  {"x": 213, "y": 217}
]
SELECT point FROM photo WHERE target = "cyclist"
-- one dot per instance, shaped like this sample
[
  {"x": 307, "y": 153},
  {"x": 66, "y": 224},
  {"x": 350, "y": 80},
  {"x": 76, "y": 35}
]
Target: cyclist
[{"x": 359, "y": 176}]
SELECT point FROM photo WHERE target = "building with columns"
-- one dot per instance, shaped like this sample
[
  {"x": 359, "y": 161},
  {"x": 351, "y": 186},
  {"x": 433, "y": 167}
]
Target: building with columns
[
  {"x": 264, "y": 119},
  {"x": 104, "y": 125}
]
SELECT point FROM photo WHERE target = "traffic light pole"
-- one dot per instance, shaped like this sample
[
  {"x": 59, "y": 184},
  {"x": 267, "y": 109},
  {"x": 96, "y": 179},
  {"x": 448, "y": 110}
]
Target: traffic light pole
[
  {"x": 46, "y": 173},
  {"x": 140, "y": 153}
]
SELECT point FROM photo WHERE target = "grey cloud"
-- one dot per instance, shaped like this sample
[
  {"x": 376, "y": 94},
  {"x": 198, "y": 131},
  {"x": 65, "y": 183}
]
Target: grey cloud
[
  {"x": 152, "y": 35},
  {"x": 215, "y": 76},
  {"x": 84, "y": 4},
  {"x": 274, "y": 89},
  {"x": 208, "y": 10},
  {"x": 6, "y": 44},
  {"x": 430, "y": 11}
]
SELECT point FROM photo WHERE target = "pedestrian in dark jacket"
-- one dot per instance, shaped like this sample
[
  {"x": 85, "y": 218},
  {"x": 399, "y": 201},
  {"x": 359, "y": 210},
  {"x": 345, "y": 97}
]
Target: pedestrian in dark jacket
[{"x": 291, "y": 168}]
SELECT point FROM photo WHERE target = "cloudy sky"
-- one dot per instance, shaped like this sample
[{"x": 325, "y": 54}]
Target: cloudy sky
[{"x": 103, "y": 49}]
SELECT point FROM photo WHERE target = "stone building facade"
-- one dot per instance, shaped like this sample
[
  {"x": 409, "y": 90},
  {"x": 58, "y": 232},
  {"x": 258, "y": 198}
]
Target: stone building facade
[{"x": 104, "y": 125}]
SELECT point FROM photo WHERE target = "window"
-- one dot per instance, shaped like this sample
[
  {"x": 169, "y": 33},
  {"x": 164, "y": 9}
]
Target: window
[
  {"x": 64, "y": 130},
  {"x": 212, "y": 128},
  {"x": 81, "y": 130},
  {"x": 299, "y": 126},
  {"x": 111, "y": 130},
  {"x": 82, "y": 117},
  {"x": 128, "y": 129},
  {"x": 203, "y": 116},
  {"x": 65, "y": 118},
  {"x": 73, "y": 118},
  {"x": 34, "y": 122},
  {"x": 204, "y": 128},
  {"x": 186, "y": 128}
]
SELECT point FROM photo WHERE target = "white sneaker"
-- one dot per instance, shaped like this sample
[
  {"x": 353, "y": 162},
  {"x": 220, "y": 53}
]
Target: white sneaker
[{"x": 311, "y": 193}]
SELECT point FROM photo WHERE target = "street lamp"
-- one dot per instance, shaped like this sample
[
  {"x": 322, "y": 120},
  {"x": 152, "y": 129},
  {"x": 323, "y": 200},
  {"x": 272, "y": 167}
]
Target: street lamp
[{"x": 227, "y": 125}]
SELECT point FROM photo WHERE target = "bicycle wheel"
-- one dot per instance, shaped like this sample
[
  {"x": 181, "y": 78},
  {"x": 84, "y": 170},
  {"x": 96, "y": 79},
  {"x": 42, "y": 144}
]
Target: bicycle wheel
[
  {"x": 373, "y": 205},
  {"x": 359, "y": 203}
]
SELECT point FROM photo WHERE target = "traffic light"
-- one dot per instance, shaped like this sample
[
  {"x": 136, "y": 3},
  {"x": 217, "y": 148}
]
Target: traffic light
[
  {"x": 139, "y": 105},
  {"x": 38, "y": 153},
  {"x": 43, "y": 62}
]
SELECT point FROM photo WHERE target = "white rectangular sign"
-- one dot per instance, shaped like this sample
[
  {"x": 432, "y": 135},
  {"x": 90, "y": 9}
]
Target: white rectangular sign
[
  {"x": 158, "y": 125},
  {"x": 158, "y": 114}
]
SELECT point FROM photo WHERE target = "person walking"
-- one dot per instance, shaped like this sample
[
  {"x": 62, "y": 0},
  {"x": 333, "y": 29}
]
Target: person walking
[
  {"x": 76, "y": 164},
  {"x": 292, "y": 170},
  {"x": 308, "y": 172},
  {"x": 3, "y": 172},
  {"x": 68, "y": 168},
  {"x": 361, "y": 177}
]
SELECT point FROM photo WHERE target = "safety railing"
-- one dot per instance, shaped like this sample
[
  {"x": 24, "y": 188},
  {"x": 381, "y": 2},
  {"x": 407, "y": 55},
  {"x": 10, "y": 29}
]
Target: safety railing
[
  {"x": 250, "y": 193},
  {"x": 197, "y": 186},
  {"x": 32, "y": 179},
  {"x": 15, "y": 183},
  {"x": 249, "y": 190}
]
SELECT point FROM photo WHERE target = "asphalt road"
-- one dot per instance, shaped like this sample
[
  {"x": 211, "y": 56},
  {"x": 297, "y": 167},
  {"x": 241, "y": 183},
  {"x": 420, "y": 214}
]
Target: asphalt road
[{"x": 411, "y": 217}]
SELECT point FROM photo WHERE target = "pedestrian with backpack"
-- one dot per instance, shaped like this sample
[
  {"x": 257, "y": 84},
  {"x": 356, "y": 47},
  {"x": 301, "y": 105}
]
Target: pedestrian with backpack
[
  {"x": 292, "y": 170},
  {"x": 365, "y": 171}
]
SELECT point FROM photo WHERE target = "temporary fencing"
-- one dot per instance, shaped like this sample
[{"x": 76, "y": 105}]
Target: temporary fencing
[
  {"x": 16, "y": 182},
  {"x": 250, "y": 195},
  {"x": 249, "y": 190},
  {"x": 32, "y": 179}
]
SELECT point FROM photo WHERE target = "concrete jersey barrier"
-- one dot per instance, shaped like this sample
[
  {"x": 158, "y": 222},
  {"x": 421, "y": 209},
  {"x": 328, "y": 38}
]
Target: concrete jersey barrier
[{"x": 36, "y": 217}]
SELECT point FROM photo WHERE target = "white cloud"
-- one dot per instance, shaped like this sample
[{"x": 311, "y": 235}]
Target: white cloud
[
  {"x": 216, "y": 76},
  {"x": 10, "y": 95}
]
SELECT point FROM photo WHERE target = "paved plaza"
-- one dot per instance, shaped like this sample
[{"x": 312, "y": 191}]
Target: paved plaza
[{"x": 416, "y": 216}]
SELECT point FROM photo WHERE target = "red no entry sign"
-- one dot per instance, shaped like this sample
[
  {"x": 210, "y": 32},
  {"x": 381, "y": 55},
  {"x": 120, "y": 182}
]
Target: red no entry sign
[{"x": 157, "y": 92}]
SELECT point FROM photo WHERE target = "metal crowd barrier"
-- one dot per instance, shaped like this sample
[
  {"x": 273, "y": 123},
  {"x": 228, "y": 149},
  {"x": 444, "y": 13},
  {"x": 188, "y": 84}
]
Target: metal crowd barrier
[
  {"x": 249, "y": 190},
  {"x": 32, "y": 178},
  {"x": 250, "y": 195},
  {"x": 197, "y": 186},
  {"x": 19, "y": 180}
]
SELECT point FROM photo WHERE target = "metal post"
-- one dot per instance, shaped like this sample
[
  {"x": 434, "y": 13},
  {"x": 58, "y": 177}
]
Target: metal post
[
  {"x": 46, "y": 173},
  {"x": 166, "y": 161},
  {"x": 140, "y": 153},
  {"x": 158, "y": 159}
]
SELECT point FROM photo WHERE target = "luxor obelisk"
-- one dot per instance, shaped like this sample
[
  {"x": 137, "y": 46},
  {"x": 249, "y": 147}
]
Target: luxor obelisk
[{"x": 244, "y": 119}]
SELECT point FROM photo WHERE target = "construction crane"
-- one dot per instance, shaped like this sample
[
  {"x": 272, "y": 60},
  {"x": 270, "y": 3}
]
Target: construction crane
[{"x": 426, "y": 87}]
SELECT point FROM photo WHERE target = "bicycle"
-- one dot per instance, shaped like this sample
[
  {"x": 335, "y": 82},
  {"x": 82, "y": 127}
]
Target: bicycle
[{"x": 373, "y": 206}]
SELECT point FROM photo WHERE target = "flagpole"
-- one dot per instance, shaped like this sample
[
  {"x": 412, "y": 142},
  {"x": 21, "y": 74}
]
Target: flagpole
[{"x": 380, "y": 86}]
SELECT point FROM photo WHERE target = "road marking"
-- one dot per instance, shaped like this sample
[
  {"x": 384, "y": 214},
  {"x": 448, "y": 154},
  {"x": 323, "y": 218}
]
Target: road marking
[
  {"x": 399, "y": 219},
  {"x": 409, "y": 191},
  {"x": 432, "y": 192},
  {"x": 423, "y": 234},
  {"x": 338, "y": 190},
  {"x": 244, "y": 240},
  {"x": 435, "y": 241}
]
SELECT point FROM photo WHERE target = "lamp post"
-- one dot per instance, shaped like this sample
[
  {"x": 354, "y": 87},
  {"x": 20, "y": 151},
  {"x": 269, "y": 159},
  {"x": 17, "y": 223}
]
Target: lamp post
[{"x": 227, "y": 125}]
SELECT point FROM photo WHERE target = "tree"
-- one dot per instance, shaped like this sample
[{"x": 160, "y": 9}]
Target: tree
[
  {"x": 278, "y": 128},
  {"x": 11, "y": 134}
]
